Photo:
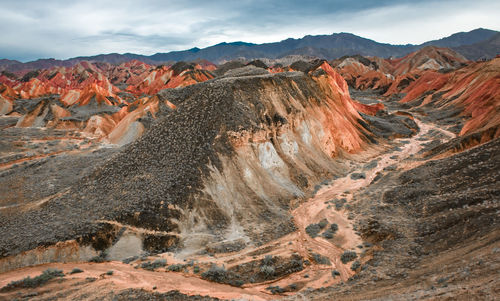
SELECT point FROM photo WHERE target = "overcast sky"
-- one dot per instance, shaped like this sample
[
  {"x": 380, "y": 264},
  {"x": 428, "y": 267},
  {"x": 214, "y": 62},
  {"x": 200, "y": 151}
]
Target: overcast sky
[{"x": 32, "y": 29}]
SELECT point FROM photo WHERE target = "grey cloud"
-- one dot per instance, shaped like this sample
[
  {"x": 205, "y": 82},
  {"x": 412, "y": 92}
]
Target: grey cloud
[{"x": 54, "y": 28}]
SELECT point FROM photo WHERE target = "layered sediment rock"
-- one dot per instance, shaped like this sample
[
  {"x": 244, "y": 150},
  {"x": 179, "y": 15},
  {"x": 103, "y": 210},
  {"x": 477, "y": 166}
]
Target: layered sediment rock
[
  {"x": 220, "y": 168},
  {"x": 99, "y": 99},
  {"x": 391, "y": 75}
]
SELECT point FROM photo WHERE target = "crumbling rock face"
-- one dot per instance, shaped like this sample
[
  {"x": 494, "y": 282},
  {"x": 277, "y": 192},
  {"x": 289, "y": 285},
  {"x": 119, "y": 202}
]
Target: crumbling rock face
[
  {"x": 98, "y": 99},
  {"x": 435, "y": 230},
  {"x": 389, "y": 76},
  {"x": 221, "y": 167},
  {"x": 470, "y": 94},
  {"x": 438, "y": 83}
]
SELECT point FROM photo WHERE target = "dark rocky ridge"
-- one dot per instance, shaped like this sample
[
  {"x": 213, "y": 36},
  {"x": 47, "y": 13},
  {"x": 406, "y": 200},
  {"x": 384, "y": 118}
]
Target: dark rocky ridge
[
  {"x": 323, "y": 46},
  {"x": 154, "y": 180},
  {"x": 435, "y": 231}
]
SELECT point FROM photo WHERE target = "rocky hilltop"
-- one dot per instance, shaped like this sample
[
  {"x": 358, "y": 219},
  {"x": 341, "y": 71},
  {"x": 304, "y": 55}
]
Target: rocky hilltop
[{"x": 220, "y": 167}]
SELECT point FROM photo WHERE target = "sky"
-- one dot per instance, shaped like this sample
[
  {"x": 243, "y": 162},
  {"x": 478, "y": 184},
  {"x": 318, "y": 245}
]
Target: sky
[{"x": 32, "y": 29}]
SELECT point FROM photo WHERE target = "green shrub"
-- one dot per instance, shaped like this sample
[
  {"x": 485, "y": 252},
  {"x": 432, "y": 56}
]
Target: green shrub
[
  {"x": 328, "y": 234},
  {"x": 130, "y": 259},
  {"x": 323, "y": 223},
  {"x": 109, "y": 273},
  {"x": 175, "y": 267},
  {"x": 275, "y": 290},
  {"x": 37, "y": 281},
  {"x": 238, "y": 283},
  {"x": 320, "y": 259},
  {"x": 158, "y": 263},
  {"x": 297, "y": 264},
  {"x": 335, "y": 273},
  {"x": 196, "y": 269},
  {"x": 75, "y": 271},
  {"x": 216, "y": 274},
  {"x": 313, "y": 230},
  {"x": 348, "y": 256},
  {"x": 334, "y": 228},
  {"x": 100, "y": 258},
  {"x": 355, "y": 265},
  {"x": 268, "y": 260},
  {"x": 267, "y": 270}
]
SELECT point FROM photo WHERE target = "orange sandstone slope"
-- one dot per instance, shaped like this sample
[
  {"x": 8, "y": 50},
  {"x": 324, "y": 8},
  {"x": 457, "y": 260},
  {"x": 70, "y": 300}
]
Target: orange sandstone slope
[
  {"x": 414, "y": 65},
  {"x": 94, "y": 97},
  {"x": 428, "y": 58},
  {"x": 179, "y": 75},
  {"x": 364, "y": 73},
  {"x": 474, "y": 90},
  {"x": 74, "y": 84},
  {"x": 390, "y": 74}
]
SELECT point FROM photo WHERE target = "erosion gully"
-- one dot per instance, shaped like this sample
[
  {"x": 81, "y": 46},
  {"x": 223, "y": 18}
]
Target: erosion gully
[{"x": 305, "y": 213}]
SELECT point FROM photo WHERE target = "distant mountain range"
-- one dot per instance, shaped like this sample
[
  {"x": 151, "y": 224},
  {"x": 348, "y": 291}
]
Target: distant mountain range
[{"x": 476, "y": 44}]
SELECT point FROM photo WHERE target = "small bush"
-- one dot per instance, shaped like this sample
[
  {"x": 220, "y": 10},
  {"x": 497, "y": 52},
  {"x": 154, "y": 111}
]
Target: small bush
[
  {"x": 275, "y": 290},
  {"x": 100, "y": 258},
  {"x": 196, "y": 269},
  {"x": 238, "y": 283},
  {"x": 313, "y": 230},
  {"x": 328, "y": 234},
  {"x": 175, "y": 267},
  {"x": 358, "y": 175},
  {"x": 323, "y": 223},
  {"x": 297, "y": 264},
  {"x": 151, "y": 266},
  {"x": 215, "y": 273},
  {"x": 76, "y": 271},
  {"x": 268, "y": 260},
  {"x": 320, "y": 259},
  {"x": 37, "y": 281},
  {"x": 334, "y": 228},
  {"x": 335, "y": 273},
  {"x": 355, "y": 265},
  {"x": 348, "y": 256},
  {"x": 340, "y": 203},
  {"x": 109, "y": 273},
  {"x": 161, "y": 262},
  {"x": 130, "y": 259},
  {"x": 267, "y": 270}
]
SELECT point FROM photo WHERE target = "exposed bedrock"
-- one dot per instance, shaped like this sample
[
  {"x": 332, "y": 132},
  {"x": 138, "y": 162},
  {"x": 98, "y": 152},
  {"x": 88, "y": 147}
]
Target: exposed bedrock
[
  {"x": 219, "y": 169},
  {"x": 434, "y": 229}
]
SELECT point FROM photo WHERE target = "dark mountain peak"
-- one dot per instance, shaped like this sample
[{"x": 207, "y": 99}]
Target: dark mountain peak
[
  {"x": 483, "y": 50},
  {"x": 238, "y": 43},
  {"x": 463, "y": 38},
  {"x": 321, "y": 46}
]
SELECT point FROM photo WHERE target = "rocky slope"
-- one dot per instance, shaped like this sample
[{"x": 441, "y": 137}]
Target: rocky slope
[
  {"x": 98, "y": 99},
  {"x": 470, "y": 93},
  {"x": 382, "y": 74},
  {"x": 271, "y": 181},
  {"x": 435, "y": 232},
  {"x": 221, "y": 167},
  {"x": 436, "y": 81}
]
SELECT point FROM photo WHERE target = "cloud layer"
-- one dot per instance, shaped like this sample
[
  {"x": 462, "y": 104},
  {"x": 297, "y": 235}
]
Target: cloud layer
[{"x": 34, "y": 29}]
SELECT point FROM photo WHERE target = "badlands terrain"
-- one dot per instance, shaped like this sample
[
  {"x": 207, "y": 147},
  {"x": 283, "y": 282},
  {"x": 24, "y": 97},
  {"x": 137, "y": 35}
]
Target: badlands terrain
[{"x": 351, "y": 179}]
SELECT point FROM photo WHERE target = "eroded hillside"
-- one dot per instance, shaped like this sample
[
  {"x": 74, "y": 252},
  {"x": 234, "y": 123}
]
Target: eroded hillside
[{"x": 261, "y": 183}]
